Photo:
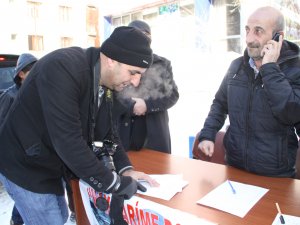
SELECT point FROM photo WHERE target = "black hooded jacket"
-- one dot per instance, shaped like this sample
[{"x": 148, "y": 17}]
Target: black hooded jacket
[
  {"x": 6, "y": 100},
  {"x": 160, "y": 92},
  {"x": 262, "y": 112}
]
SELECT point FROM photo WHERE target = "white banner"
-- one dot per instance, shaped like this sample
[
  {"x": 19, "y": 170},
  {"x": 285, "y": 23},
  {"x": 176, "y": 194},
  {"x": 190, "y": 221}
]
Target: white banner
[{"x": 137, "y": 211}]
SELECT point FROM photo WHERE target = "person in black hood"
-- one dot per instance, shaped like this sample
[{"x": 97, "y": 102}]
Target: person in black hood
[
  {"x": 24, "y": 64},
  {"x": 261, "y": 95},
  {"x": 145, "y": 121},
  {"x": 51, "y": 124}
]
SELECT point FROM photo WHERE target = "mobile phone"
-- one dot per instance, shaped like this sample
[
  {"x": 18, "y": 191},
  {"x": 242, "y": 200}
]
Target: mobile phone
[{"x": 276, "y": 36}]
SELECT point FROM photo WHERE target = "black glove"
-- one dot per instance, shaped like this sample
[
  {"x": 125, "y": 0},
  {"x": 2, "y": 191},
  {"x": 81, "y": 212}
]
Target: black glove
[{"x": 128, "y": 187}]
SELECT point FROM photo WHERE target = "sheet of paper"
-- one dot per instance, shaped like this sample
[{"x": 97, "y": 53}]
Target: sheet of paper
[
  {"x": 238, "y": 203},
  {"x": 289, "y": 220},
  {"x": 170, "y": 184}
]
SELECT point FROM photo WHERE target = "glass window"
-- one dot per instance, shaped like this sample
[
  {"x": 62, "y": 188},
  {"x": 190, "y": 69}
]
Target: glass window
[
  {"x": 136, "y": 16},
  {"x": 91, "y": 20},
  {"x": 66, "y": 42},
  {"x": 64, "y": 13},
  {"x": 34, "y": 9},
  {"x": 36, "y": 42},
  {"x": 187, "y": 10},
  {"x": 125, "y": 20},
  {"x": 116, "y": 21},
  {"x": 150, "y": 17}
]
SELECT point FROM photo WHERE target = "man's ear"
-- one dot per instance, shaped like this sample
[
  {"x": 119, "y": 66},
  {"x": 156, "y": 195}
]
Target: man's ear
[
  {"x": 22, "y": 75},
  {"x": 110, "y": 62}
]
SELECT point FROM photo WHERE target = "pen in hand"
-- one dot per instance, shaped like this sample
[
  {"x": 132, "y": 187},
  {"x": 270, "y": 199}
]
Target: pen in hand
[
  {"x": 141, "y": 187},
  {"x": 232, "y": 188},
  {"x": 280, "y": 214}
]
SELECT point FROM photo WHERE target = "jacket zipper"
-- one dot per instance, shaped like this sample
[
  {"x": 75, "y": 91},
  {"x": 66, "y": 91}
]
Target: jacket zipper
[{"x": 250, "y": 88}]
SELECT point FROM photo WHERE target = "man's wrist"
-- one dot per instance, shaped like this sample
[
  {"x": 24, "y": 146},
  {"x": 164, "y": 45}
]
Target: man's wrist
[
  {"x": 117, "y": 184},
  {"x": 127, "y": 168}
]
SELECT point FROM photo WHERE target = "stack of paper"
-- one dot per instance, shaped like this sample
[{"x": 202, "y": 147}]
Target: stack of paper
[
  {"x": 170, "y": 184},
  {"x": 288, "y": 219}
]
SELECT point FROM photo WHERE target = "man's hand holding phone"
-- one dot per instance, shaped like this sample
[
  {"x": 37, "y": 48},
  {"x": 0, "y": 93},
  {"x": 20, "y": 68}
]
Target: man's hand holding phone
[{"x": 271, "y": 50}]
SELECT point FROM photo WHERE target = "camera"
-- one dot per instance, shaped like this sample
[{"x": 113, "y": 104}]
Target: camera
[{"x": 104, "y": 151}]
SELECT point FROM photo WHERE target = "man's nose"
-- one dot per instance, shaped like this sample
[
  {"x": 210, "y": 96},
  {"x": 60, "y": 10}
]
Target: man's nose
[
  {"x": 250, "y": 37},
  {"x": 135, "y": 80}
]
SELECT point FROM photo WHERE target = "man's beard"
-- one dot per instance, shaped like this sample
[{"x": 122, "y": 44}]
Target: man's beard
[{"x": 254, "y": 52}]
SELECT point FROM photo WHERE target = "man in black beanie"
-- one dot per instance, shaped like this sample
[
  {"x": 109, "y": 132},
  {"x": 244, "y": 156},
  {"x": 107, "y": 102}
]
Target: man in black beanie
[
  {"x": 145, "y": 122},
  {"x": 51, "y": 125}
]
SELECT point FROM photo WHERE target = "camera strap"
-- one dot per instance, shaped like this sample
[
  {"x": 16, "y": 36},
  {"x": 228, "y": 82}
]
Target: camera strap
[{"x": 113, "y": 125}]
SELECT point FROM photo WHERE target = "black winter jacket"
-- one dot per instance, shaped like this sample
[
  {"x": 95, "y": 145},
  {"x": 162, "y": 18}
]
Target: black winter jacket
[
  {"x": 160, "y": 93},
  {"x": 261, "y": 137},
  {"x": 6, "y": 100},
  {"x": 50, "y": 125}
]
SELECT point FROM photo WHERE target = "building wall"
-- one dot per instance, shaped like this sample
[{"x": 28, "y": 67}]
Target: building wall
[{"x": 47, "y": 21}]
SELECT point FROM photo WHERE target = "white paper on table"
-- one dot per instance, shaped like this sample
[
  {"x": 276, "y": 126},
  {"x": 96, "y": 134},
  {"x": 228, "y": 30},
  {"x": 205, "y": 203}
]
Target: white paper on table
[
  {"x": 238, "y": 204},
  {"x": 289, "y": 220},
  {"x": 170, "y": 184}
]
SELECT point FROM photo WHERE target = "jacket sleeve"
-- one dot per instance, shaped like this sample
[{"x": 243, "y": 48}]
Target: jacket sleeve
[
  {"x": 167, "y": 86},
  {"x": 121, "y": 161},
  {"x": 217, "y": 114},
  {"x": 5, "y": 103},
  {"x": 282, "y": 89},
  {"x": 297, "y": 128},
  {"x": 219, "y": 109}
]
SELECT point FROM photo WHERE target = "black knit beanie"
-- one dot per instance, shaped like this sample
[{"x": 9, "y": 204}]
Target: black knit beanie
[
  {"x": 128, "y": 45},
  {"x": 141, "y": 25}
]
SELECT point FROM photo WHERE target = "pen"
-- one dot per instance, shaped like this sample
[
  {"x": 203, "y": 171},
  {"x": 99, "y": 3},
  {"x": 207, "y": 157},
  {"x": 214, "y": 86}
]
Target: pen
[
  {"x": 141, "y": 187},
  {"x": 232, "y": 188},
  {"x": 280, "y": 214}
]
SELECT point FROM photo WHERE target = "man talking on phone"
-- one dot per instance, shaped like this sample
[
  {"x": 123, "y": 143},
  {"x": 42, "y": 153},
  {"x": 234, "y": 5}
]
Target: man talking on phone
[{"x": 261, "y": 95}]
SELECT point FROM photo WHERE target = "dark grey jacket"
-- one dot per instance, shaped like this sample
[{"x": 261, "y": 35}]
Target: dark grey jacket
[
  {"x": 261, "y": 137},
  {"x": 6, "y": 100},
  {"x": 160, "y": 93},
  {"x": 51, "y": 123}
]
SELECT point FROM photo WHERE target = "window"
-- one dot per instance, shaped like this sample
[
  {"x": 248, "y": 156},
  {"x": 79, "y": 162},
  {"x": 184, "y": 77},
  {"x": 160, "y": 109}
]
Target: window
[
  {"x": 13, "y": 36},
  {"x": 121, "y": 21},
  {"x": 64, "y": 13},
  {"x": 136, "y": 16},
  {"x": 66, "y": 42},
  {"x": 36, "y": 42},
  {"x": 150, "y": 17},
  {"x": 116, "y": 22},
  {"x": 125, "y": 20},
  {"x": 91, "y": 20},
  {"x": 187, "y": 10},
  {"x": 233, "y": 26},
  {"x": 33, "y": 9}
]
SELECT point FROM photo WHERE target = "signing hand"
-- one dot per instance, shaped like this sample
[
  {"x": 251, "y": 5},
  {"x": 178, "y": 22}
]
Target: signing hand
[
  {"x": 137, "y": 175},
  {"x": 207, "y": 147}
]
